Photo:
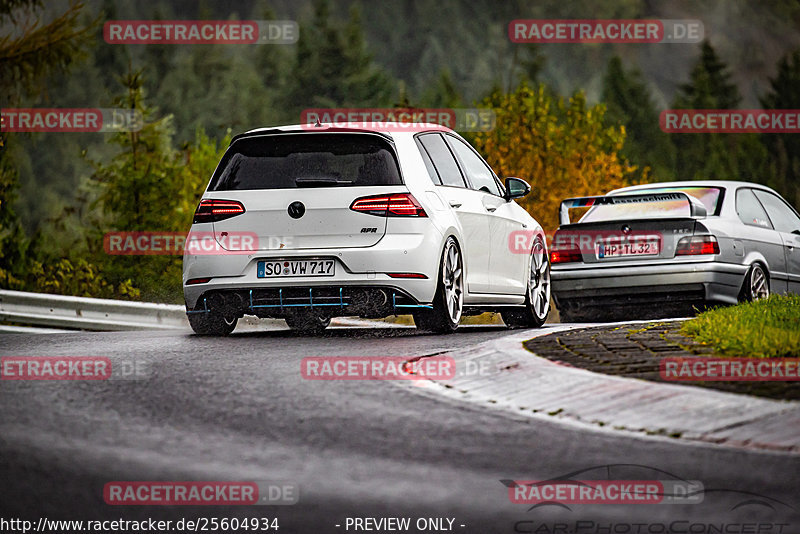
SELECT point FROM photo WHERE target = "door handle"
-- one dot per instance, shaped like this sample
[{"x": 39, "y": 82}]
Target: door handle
[
  {"x": 455, "y": 205},
  {"x": 488, "y": 205}
]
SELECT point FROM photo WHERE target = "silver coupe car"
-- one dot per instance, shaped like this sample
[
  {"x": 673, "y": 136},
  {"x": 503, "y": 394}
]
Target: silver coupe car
[{"x": 654, "y": 250}]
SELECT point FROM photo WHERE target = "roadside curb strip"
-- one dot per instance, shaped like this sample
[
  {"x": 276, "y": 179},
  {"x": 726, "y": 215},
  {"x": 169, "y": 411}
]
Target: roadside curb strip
[{"x": 524, "y": 383}]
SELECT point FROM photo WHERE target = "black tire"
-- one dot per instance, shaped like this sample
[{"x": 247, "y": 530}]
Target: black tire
[
  {"x": 756, "y": 284},
  {"x": 449, "y": 300},
  {"x": 308, "y": 323},
  {"x": 537, "y": 296},
  {"x": 211, "y": 323}
]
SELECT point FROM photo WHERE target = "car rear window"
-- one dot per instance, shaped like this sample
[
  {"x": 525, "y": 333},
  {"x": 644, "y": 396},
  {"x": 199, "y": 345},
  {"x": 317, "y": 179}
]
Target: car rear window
[
  {"x": 306, "y": 160},
  {"x": 709, "y": 196}
]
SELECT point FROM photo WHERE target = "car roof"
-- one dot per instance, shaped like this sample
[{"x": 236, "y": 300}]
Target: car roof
[{"x": 725, "y": 184}]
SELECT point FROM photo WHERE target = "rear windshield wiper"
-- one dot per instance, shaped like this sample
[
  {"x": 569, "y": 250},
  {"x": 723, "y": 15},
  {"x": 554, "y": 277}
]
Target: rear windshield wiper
[{"x": 319, "y": 181}]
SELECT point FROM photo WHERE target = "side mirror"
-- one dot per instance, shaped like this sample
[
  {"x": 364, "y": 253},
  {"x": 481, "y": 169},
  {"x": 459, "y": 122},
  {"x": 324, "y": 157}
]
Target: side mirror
[{"x": 516, "y": 188}]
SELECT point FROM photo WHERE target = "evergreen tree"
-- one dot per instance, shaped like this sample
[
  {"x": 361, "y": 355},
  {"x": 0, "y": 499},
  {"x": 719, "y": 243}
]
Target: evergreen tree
[
  {"x": 526, "y": 65},
  {"x": 710, "y": 85},
  {"x": 272, "y": 67},
  {"x": 147, "y": 186},
  {"x": 212, "y": 89},
  {"x": 26, "y": 61},
  {"x": 708, "y": 155},
  {"x": 442, "y": 93},
  {"x": 138, "y": 185},
  {"x": 111, "y": 60},
  {"x": 784, "y": 149},
  {"x": 138, "y": 190},
  {"x": 333, "y": 68},
  {"x": 629, "y": 103},
  {"x": 159, "y": 59}
]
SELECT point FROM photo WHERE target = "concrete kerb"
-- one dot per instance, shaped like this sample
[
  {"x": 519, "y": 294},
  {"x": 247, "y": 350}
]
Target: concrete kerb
[{"x": 518, "y": 381}]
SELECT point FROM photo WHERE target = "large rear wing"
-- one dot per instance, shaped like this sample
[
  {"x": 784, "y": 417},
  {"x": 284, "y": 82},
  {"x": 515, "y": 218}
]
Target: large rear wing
[{"x": 696, "y": 208}]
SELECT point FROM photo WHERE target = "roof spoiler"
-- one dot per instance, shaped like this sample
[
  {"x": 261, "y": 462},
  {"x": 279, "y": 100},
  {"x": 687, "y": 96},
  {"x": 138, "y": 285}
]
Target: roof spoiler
[
  {"x": 696, "y": 208},
  {"x": 325, "y": 128}
]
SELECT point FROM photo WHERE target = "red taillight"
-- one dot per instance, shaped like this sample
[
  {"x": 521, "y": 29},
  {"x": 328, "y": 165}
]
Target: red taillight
[
  {"x": 212, "y": 210},
  {"x": 697, "y": 245},
  {"x": 194, "y": 281},
  {"x": 564, "y": 248},
  {"x": 396, "y": 205},
  {"x": 565, "y": 256},
  {"x": 406, "y": 275}
]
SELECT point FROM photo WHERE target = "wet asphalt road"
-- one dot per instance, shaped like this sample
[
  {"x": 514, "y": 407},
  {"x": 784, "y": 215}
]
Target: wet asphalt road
[{"x": 238, "y": 409}]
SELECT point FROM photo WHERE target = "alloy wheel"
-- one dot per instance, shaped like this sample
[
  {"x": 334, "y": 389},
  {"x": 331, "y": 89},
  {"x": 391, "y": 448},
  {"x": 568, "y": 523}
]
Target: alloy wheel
[{"x": 453, "y": 282}]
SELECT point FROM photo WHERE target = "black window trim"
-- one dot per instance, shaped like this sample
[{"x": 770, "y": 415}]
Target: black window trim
[
  {"x": 736, "y": 208},
  {"x": 455, "y": 159},
  {"x": 462, "y": 166},
  {"x": 768, "y": 192},
  {"x": 422, "y": 149}
]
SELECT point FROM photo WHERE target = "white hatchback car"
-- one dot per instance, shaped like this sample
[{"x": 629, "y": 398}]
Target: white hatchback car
[{"x": 308, "y": 223}]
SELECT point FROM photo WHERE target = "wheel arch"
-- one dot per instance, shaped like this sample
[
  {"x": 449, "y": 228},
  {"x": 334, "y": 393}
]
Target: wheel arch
[{"x": 761, "y": 262}]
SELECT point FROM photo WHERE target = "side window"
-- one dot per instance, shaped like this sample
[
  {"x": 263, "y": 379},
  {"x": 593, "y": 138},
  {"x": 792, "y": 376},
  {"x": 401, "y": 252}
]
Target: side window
[
  {"x": 783, "y": 218},
  {"x": 442, "y": 160},
  {"x": 480, "y": 175},
  {"x": 750, "y": 210},
  {"x": 435, "y": 178}
]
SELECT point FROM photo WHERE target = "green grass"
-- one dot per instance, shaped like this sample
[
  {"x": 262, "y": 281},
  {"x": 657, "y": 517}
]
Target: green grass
[{"x": 767, "y": 328}]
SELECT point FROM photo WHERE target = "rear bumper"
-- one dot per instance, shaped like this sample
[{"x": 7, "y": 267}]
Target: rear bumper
[
  {"x": 355, "y": 267},
  {"x": 331, "y": 301},
  {"x": 418, "y": 290},
  {"x": 704, "y": 282}
]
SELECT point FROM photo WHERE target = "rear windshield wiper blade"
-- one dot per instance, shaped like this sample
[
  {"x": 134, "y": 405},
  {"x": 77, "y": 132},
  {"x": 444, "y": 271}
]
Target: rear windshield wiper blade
[{"x": 312, "y": 181}]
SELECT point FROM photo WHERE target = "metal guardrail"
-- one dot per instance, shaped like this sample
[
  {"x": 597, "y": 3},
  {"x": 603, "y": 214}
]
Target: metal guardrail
[
  {"x": 104, "y": 315},
  {"x": 42, "y": 309}
]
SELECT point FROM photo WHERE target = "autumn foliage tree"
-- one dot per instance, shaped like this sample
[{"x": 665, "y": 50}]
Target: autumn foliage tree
[{"x": 562, "y": 148}]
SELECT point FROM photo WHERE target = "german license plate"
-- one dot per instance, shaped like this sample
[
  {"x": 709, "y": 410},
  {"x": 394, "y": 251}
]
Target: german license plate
[
  {"x": 289, "y": 268},
  {"x": 637, "y": 247}
]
